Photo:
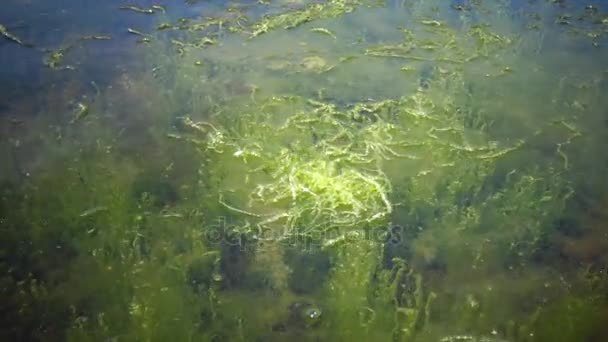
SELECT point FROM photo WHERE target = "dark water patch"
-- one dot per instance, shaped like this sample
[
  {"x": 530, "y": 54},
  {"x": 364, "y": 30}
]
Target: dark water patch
[
  {"x": 153, "y": 189},
  {"x": 237, "y": 251},
  {"x": 201, "y": 272},
  {"x": 309, "y": 268}
]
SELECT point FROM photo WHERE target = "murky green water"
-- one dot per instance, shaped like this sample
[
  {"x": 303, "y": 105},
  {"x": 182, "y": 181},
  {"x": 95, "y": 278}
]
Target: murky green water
[{"x": 341, "y": 170}]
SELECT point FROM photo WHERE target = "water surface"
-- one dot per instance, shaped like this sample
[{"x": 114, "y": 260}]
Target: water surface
[{"x": 303, "y": 170}]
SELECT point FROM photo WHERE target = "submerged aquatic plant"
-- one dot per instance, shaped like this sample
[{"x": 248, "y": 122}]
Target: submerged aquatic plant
[{"x": 418, "y": 202}]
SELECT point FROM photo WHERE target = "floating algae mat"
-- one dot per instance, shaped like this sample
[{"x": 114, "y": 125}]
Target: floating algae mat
[{"x": 341, "y": 170}]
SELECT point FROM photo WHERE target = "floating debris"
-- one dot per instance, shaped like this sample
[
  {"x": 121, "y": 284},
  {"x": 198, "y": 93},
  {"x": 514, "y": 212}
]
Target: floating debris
[
  {"x": 431, "y": 23},
  {"x": 504, "y": 71},
  {"x": 82, "y": 110},
  {"x": 96, "y": 37},
  {"x": 347, "y": 58},
  {"x": 54, "y": 59},
  {"x": 136, "y": 32},
  {"x": 306, "y": 315},
  {"x": 164, "y": 26},
  {"x": 146, "y": 38},
  {"x": 323, "y": 31},
  {"x": 292, "y": 19},
  {"x": 315, "y": 64},
  {"x": 563, "y": 19},
  {"x": 4, "y": 32},
  {"x": 159, "y": 8},
  {"x": 461, "y": 7},
  {"x": 399, "y": 51},
  {"x": 137, "y": 9},
  {"x": 93, "y": 211},
  {"x": 205, "y": 41},
  {"x": 172, "y": 215}
]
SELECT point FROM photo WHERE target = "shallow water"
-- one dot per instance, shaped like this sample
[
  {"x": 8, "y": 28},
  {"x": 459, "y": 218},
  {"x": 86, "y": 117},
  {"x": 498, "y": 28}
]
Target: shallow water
[{"x": 304, "y": 170}]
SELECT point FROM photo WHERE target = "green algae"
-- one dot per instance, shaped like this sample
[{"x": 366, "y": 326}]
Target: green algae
[
  {"x": 208, "y": 236},
  {"x": 292, "y": 19},
  {"x": 11, "y": 37}
]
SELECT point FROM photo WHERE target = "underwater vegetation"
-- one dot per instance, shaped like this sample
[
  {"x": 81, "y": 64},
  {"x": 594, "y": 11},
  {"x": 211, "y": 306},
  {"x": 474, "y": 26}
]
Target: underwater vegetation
[{"x": 338, "y": 170}]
